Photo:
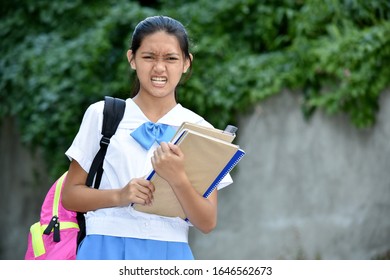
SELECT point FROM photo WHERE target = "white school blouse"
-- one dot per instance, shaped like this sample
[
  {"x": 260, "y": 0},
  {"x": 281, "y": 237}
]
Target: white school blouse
[{"x": 127, "y": 159}]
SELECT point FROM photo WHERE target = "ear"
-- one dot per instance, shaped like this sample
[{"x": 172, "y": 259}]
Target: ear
[
  {"x": 130, "y": 58},
  {"x": 187, "y": 63}
]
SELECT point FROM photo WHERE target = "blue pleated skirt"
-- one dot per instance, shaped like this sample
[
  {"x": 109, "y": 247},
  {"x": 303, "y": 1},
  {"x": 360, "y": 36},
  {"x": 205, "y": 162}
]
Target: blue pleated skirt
[{"x": 102, "y": 247}]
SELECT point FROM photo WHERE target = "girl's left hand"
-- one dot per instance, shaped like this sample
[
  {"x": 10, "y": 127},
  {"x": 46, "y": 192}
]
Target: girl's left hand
[{"x": 168, "y": 161}]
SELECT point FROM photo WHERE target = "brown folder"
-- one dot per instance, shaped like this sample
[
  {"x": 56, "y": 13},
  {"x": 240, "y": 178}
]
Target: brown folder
[{"x": 207, "y": 161}]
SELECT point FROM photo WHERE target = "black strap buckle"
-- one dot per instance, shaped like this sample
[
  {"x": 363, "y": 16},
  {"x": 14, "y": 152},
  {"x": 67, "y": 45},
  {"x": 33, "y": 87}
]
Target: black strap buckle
[{"x": 105, "y": 141}]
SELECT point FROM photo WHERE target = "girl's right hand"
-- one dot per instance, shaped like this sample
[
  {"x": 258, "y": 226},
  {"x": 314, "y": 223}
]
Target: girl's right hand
[{"x": 138, "y": 190}]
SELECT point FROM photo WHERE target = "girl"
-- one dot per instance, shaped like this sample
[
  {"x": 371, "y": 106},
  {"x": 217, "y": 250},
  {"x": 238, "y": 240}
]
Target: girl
[{"x": 159, "y": 54}]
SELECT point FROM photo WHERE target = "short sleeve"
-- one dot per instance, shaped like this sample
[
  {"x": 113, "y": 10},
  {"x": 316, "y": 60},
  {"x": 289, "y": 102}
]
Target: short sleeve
[{"x": 86, "y": 143}]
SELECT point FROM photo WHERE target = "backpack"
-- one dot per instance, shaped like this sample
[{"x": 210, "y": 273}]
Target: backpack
[{"x": 59, "y": 231}]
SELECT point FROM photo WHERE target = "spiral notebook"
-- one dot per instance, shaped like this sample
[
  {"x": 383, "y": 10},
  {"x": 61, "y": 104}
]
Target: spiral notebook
[{"x": 207, "y": 161}]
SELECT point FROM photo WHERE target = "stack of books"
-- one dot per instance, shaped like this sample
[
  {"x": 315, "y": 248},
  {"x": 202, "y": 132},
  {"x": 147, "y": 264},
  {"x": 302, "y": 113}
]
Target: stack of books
[{"x": 209, "y": 156}]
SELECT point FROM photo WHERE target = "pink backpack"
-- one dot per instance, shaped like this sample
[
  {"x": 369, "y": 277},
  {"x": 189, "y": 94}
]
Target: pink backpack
[
  {"x": 51, "y": 238},
  {"x": 59, "y": 231}
]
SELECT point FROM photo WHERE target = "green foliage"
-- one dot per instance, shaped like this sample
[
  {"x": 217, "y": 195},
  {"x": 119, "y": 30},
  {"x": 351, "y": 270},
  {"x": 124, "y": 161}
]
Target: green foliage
[
  {"x": 335, "y": 52},
  {"x": 64, "y": 56},
  {"x": 60, "y": 56}
]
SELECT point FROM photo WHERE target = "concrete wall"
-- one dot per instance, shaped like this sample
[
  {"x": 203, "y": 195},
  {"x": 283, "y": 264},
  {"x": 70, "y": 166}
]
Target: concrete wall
[
  {"x": 305, "y": 190},
  {"x": 23, "y": 185}
]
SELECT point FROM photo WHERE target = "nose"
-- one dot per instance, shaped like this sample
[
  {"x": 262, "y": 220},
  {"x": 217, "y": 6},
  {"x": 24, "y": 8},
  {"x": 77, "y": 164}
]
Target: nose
[{"x": 159, "y": 64}]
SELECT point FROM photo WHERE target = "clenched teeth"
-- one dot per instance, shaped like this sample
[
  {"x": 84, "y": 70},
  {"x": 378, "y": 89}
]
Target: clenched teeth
[{"x": 159, "y": 79}]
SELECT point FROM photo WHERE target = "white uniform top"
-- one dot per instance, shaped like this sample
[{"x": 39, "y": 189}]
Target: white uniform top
[{"x": 127, "y": 159}]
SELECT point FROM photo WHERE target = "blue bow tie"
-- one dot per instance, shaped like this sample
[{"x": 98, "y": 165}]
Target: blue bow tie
[{"x": 150, "y": 132}]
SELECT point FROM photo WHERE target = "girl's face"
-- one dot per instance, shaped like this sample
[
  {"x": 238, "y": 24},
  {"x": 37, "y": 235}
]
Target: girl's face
[{"x": 159, "y": 63}]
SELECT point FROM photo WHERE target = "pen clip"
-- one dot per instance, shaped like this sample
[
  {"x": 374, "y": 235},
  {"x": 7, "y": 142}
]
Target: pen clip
[{"x": 230, "y": 129}]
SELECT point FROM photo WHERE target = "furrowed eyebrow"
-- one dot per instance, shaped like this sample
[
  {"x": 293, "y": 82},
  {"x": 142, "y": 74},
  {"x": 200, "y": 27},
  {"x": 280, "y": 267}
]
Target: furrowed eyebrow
[
  {"x": 172, "y": 54},
  {"x": 165, "y": 55}
]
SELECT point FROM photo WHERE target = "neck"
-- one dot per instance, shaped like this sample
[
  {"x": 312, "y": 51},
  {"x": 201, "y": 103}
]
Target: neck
[{"x": 154, "y": 108}]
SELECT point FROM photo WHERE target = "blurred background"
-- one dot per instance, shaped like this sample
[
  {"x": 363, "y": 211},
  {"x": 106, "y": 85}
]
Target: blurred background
[{"x": 306, "y": 82}]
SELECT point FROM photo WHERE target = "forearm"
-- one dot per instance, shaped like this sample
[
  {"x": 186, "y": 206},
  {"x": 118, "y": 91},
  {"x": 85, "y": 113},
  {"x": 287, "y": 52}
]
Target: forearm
[
  {"x": 76, "y": 196},
  {"x": 81, "y": 198},
  {"x": 201, "y": 212}
]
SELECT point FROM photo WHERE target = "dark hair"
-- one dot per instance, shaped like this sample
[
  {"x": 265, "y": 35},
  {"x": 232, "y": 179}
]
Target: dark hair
[{"x": 153, "y": 24}]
